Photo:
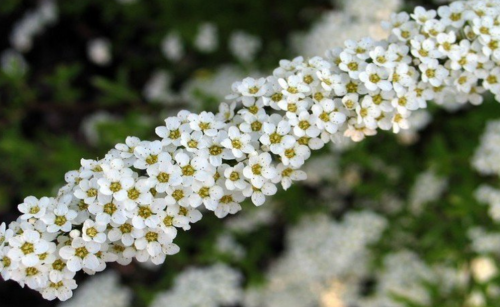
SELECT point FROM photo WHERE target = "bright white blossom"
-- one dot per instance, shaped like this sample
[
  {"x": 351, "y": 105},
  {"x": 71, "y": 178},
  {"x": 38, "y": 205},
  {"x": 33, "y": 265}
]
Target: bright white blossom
[{"x": 130, "y": 204}]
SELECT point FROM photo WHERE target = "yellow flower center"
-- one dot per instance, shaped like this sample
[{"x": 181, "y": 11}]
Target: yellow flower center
[
  {"x": 152, "y": 236},
  {"x": 163, "y": 177},
  {"x": 27, "y": 248},
  {"x": 275, "y": 138},
  {"x": 234, "y": 176},
  {"x": 188, "y": 170},
  {"x": 178, "y": 195},
  {"x": 81, "y": 252},
  {"x": 304, "y": 125},
  {"x": 152, "y": 159},
  {"x": 60, "y": 220},
  {"x": 257, "y": 169},
  {"x": 110, "y": 208},
  {"x": 91, "y": 192},
  {"x": 115, "y": 187},
  {"x": 174, "y": 134},
  {"x": 133, "y": 194},
  {"x": 31, "y": 271},
  {"x": 91, "y": 232},
  {"x": 145, "y": 212}
]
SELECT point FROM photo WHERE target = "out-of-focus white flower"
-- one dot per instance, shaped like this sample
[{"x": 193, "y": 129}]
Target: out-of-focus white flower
[
  {"x": 207, "y": 38},
  {"x": 99, "y": 51},
  {"x": 103, "y": 291},
  {"x": 427, "y": 188},
  {"x": 33, "y": 23},
  {"x": 483, "y": 269},
  {"x": 158, "y": 88},
  {"x": 244, "y": 46},
  {"x": 218, "y": 285},
  {"x": 172, "y": 47},
  {"x": 486, "y": 160}
]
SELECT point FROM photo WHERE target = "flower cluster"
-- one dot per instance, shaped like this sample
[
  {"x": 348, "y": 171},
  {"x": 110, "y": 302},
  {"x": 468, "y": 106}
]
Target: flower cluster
[
  {"x": 131, "y": 204},
  {"x": 217, "y": 285}
]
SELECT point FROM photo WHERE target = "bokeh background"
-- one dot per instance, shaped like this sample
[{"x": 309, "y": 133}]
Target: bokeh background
[{"x": 406, "y": 220}]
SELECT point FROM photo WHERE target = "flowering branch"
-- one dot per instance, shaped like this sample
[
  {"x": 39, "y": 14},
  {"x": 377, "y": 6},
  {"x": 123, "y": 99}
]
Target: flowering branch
[{"x": 130, "y": 204}]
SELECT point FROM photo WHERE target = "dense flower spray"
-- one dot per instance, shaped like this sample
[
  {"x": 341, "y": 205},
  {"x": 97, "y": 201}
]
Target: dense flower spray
[{"x": 131, "y": 204}]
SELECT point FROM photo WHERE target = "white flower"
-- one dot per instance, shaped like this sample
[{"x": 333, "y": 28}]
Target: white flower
[
  {"x": 294, "y": 87},
  {"x": 357, "y": 132},
  {"x": 61, "y": 290},
  {"x": 191, "y": 214},
  {"x": 205, "y": 193},
  {"x": 235, "y": 179},
  {"x": 215, "y": 151},
  {"x": 421, "y": 15},
  {"x": 205, "y": 122},
  {"x": 99, "y": 51},
  {"x": 406, "y": 31},
  {"x": 287, "y": 175},
  {"x": 87, "y": 190},
  {"x": 424, "y": 49},
  {"x": 446, "y": 42},
  {"x": 375, "y": 77},
  {"x": 462, "y": 57},
  {"x": 433, "y": 72},
  {"x": 125, "y": 233},
  {"x": 383, "y": 57},
  {"x": 406, "y": 102},
  {"x": 59, "y": 219},
  {"x": 238, "y": 142},
  {"x": 360, "y": 48},
  {"x": 258, "y": 195},
  {"x": 163, "y": 175},
  {"x": 229, "y": 203},
  {"x": 27, "y": 247},
  {"x": 107, "y": 210},
  {"x": 192, "y": 168},
  {"x": 207, "y": 39},
  {"x": 94, "y": 231},
  {"x": 116, "y": 185},
  {"x": 138, "y": 194},
  {"x": 150, "y": 153},
  {"x": 259, "y": 169},
  {"x": 296, "y": 155},
  {"x": 5, "y": 234},
  {"x": 403, "y": 77},
  {"x": 172, "y": 47},
  {"x": 244, "y": 46},
  {"x": 492, "y": 81},
  {"x": 127, "y": 149},
  {"x": 170, "y": 219},
  {"x": 194, "y": 141},
  {"x": 34, "y": 208},
  {"x": 304, "y": 124},
  {"x": 253, "y": 123},
  {"x": 34, "y": 276},
  {"x": 329, "y": 118},
  {"x": 81, "y": 254},
  {"x": 251, "y": 87},
  {"x": 368, "y": 112},
  {"x": 454, "y": 15},
  {"x": 226, "y": 111},
  {"x": 276, "y": 134},
  {"x": 172, "y": 132},
  {"x": 400, "y": 121},
  {"x": 350, "y": 64},
  {"x": 155, "y": 245}
]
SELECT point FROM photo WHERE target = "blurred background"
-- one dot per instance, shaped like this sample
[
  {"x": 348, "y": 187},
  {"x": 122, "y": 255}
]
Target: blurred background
[{"x": 406, "y": 220}]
